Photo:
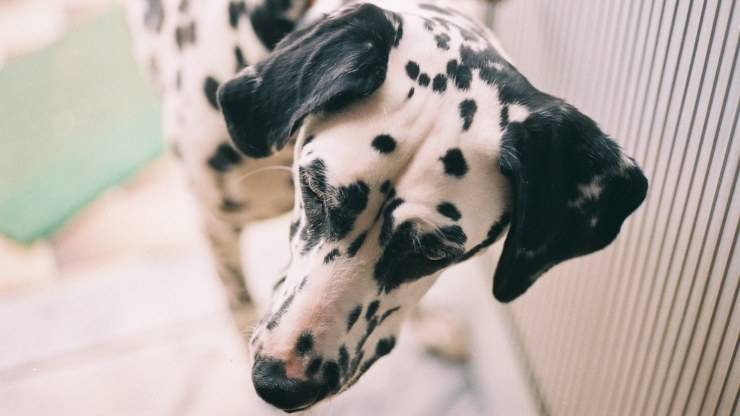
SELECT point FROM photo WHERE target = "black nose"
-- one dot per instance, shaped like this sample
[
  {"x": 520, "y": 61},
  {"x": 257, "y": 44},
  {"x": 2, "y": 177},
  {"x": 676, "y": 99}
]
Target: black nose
[{"x": 274, "y": 387}]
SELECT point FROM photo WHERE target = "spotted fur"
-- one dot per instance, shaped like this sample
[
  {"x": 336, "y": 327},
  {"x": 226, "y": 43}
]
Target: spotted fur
[{"x": 415, "y": 145}]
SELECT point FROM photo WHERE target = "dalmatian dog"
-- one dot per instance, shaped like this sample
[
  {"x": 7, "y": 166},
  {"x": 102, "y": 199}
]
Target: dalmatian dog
[{"x": 412, "y": 144}]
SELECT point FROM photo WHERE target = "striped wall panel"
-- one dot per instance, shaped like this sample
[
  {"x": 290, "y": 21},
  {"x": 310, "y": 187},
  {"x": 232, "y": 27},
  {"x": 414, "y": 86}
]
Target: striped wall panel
[{"x": 651, "y": 325}]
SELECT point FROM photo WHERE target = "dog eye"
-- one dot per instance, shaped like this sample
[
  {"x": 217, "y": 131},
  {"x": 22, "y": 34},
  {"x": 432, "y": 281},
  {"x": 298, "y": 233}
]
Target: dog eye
[
  {"x": 435, "y": 249},
  {"x": 435, "y": 253},
  {"x": 446, "y": 244}
]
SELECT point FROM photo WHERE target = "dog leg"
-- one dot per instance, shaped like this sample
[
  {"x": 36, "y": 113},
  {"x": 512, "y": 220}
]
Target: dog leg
[
  {"x": 231, "y": 192},
  {"x": 223, "y": 237}
]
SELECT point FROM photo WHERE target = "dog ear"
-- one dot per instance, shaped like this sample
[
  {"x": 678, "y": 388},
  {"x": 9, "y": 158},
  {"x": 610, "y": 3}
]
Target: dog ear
[
  {"x": 321, "y": 68},
  {"x": 572, "y": 187}
]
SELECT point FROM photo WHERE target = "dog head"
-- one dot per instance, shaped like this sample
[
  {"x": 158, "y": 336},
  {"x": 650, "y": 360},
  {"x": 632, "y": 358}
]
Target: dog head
[{"x": 417, "y": 146}]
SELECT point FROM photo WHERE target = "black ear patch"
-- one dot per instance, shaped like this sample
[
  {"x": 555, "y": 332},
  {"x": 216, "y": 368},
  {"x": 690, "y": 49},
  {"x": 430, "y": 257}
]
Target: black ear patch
[
  {"x": 572, "y": 189},
  {"x": 322, "y": 68}
]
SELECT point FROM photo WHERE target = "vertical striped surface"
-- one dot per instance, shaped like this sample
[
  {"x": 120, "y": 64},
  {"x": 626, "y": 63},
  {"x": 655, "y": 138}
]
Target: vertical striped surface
[{"x": 649, "y": 326}]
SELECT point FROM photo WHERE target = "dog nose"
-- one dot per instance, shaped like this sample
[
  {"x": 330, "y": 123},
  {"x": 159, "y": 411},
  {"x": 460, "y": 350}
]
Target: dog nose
[{"x": 277, "y": 389}]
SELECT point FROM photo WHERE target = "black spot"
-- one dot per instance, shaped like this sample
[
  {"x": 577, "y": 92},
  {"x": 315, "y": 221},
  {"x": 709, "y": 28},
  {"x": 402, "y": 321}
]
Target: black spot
[
  {"x": 493, "y": 234},
  {"x": 443, "y": 41},
  {"x": 468, "y": 108},
  {"x": 343, "y": 360},
  {"x": 236, "y": 10},
  {"x": 434, "y": 8},
  {"x": 185, "y": 35},
  {"x": 294, "y": 228},
  {"x": 496, "y": 229},
  {"x": 385, "y": 346},
  {"x": 304, "y": 345},
  {"x": 366, "y": 365},
  {"x": 385, "y": 187},
  {"x": 279, "y": 283},
  {"x": 353, "y": 367},
  {"x": 368, "y": 331},
  {"x": 387, "y": 227},
  {"x": 428, "y": 24},
  {"x": 439, "y": 84},
  {"x": 449, "y": 210},
  {"x": 154, "y": 15},
  {"x": 468, "y": 35},
  {"x": 331, "y": 375},
  {"x": 454, "y": 163},
  {"x": 461, "y": 74},
  {"x": 314, "y": 366},
  {"x": 274, "y": 320},
  {"x": 353, "y": 316},
  {"x": 355, "y": 246},
  {"x": 411, "y": 92},
  {"x": 303, "y": 283},
  {"x": 512, "y": 86},
  {"x": 332, "y": 256},
  {"x": 412, "y": 69},
  {"x": 210, "y": 86},
  {"x": 388, "y": 313},
  {"x": 382, "y": 348},
  {"x": 308, "y": 140},
  {"x": 384, "y": 144},
  {"x": 225, "y": 158},
  {"x": 351, "y": 201},
  {"x": 424, "y": 80},
  {"x": 372, "y": 309},
  {"x": 241, "y": 62},
  {"x": 446, "y": 24},
  {"x": 504, "y": 118},
  {"x": 184, "y": 5}
]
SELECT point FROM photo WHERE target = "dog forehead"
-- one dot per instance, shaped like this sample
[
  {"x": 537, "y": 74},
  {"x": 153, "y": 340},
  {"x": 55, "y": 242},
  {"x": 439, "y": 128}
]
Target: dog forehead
[
  {"x": 431, "y": 154},
  {"x": 431, "y": 98},
  {"x": 431, "y": 132}
]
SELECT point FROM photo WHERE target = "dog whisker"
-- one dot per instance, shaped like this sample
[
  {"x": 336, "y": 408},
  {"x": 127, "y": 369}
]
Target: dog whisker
[{"x": 263, "y": 170}]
